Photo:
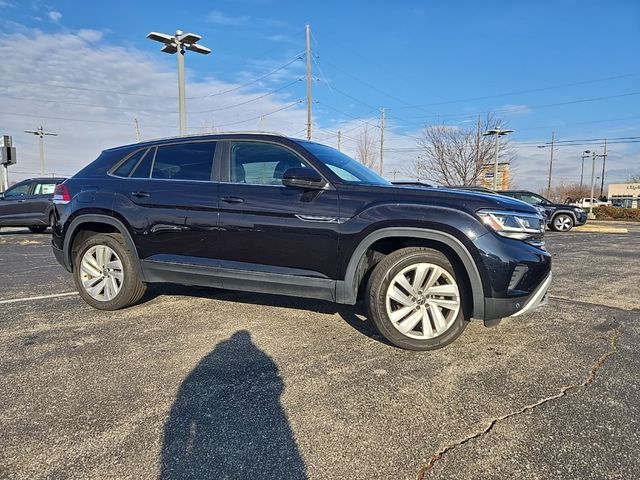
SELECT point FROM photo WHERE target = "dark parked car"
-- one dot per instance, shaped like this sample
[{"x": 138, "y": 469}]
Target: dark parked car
[
  {"x": 29, "y": 204},
  {"x": 560, "y": 217},
  {"x": 265, "y": 213}
]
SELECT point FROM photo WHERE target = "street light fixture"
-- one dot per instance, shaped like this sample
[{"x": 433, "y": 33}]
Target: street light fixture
[
  {"x": 178, "y": 43},
  {"x": 498, "y": 132}
]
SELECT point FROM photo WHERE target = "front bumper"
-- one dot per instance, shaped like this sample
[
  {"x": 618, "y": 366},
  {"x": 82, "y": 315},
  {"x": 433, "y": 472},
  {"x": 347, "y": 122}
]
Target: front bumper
[{"x": 537, "y": 299}]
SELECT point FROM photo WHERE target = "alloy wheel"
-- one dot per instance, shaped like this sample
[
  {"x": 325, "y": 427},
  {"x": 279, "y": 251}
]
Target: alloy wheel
[
  {"x": 101, "y": 273},
  {"x": 562, "y": 223},
  {"x": 423, "y": 301}
]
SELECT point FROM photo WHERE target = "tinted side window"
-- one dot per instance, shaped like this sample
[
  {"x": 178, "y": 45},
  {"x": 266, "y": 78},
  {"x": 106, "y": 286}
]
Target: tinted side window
[
  {"x": 125, "y": 169},
  {"x": 18, "y": 190},
  {"x": 143, "y": 169},
  {"x": 188, "y": 161},
  {"x": 44, "y": 188},
  {"x": 261, "y": 163}
]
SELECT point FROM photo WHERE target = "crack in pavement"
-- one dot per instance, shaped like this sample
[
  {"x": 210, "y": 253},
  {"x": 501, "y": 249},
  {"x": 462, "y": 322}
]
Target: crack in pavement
[
  {"x": 563, "y": 391},
  {"x": 591, "y": 304}
]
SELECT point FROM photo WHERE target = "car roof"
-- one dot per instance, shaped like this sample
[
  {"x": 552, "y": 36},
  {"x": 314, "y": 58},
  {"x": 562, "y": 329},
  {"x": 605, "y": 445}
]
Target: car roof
[
  {"x": 44, "y": 179},
  {"x": 205, "y": 136}
]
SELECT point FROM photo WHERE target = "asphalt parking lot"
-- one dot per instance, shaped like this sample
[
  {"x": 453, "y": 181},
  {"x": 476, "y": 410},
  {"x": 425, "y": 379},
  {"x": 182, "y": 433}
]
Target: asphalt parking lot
[{"x": 205, "y": 384}]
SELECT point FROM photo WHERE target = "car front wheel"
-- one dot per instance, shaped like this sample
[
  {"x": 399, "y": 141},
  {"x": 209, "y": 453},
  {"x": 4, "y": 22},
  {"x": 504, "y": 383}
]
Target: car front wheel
[
  {"x": 104, "y": 273},
  {"x": 415, "y": 299},
  {"x": 562, "y": 222}
]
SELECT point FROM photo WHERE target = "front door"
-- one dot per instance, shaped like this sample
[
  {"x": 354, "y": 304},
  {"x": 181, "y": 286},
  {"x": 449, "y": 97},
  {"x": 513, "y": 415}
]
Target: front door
[
  {"x": 267, "y": 227},
  {"x": 14, "y": 209}
]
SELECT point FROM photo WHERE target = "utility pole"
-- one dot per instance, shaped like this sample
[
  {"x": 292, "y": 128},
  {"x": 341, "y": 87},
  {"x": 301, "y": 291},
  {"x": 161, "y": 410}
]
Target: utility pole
[
  {"x": 41, "y": 134},
  {"x": 382, "y": 142},
  {"x": 308, "y": 82},
  {"x": 395, "y": 172},
  {"x": 339, "y": 140},
  {"x": 136, "y": 127},
  {"x": 582, "y": 169},
  {"x": 553, "y": 141},
  {"x": 593, "y": 179},
  {"x": 604, "y": 162},
  {"x": 261, "y": 124}
]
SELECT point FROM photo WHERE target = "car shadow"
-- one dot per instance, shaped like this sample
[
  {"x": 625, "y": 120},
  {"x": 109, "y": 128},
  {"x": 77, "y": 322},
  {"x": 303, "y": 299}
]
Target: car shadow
[
  {"x": 354, "y": 315},
  {"x": 227, "y": 420},
  {"x": 25, "y": 232}
]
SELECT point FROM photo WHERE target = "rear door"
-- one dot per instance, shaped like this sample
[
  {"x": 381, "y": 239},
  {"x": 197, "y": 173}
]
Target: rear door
[
  {"x": 38, "y": 205},
  {"x": 267, "y": 227},
  {"x": 13, "y": 206},
  {"x": 169, "y": 196}
]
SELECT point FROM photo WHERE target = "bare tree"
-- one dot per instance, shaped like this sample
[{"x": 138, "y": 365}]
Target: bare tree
[
  {"x": 454, "y": 155},
  {"x": 570, "y": 192},
  {"x": 367, "y": 148}
]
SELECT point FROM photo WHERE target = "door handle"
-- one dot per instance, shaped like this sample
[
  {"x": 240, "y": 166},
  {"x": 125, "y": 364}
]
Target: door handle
[
  {"x": 140, "y": 194},
  {"x": 232, "y": 199},
  {"x": 21, "y": 201}
]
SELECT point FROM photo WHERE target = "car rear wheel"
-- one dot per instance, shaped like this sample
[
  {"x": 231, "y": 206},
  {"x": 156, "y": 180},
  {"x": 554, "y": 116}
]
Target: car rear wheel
[
  {"x": 104, "y": 273},
  {"x": 562, "y": 222},
  {"x": 415, "y": 299},
  {"x": 38, "y": 229}
]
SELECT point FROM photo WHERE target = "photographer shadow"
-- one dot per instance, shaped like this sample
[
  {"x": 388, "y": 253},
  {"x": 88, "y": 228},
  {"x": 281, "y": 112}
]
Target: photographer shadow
[{"x": 227, "y": 421}]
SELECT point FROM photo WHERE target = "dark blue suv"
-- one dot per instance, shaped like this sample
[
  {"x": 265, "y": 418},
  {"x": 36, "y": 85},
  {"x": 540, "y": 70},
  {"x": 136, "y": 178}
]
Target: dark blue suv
[{"x": 266, "y": 213}]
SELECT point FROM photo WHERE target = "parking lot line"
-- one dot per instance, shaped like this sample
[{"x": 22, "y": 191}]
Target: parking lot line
[{"x": 41, "y": 297}]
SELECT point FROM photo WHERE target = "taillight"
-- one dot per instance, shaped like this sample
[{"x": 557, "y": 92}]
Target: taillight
[{"x": 61, "y": 195}]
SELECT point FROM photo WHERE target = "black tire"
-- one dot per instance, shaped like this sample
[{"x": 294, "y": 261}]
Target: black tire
[
  {"x": 132, "y": 288},
  {"x": 52, "y": 220},
  {"x": 379, "y": 283},
  {"x": 562, "y": 222},
  {"x": 38, "y": 229}
]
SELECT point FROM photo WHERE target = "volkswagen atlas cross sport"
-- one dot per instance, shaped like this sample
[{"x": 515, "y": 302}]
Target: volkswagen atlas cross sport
[{"x": 267, "y": 213}]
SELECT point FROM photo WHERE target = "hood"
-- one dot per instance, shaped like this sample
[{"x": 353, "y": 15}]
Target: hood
[{"x": 468, "y": 200}]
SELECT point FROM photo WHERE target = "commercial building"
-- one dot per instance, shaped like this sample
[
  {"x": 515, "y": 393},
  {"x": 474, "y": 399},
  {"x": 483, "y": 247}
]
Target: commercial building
[
  {"x": 626, "y": 195},
  {"x": 486, "y": 176}
]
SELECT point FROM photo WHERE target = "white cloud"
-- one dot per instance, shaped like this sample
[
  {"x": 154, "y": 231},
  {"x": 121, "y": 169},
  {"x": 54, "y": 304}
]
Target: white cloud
[
  {"x": 218, "y": 18},
  {"x": 95, "y": 115},
  {"x": 5, "y": 4},
  {"x": 54, "y": 16}
]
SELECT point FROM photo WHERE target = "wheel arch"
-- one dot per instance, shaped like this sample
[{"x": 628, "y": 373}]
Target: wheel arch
[
  {"x": 347, "y": 289},
  {"x": 96, "y": 223},
  {"x": 566, "y": 212}
]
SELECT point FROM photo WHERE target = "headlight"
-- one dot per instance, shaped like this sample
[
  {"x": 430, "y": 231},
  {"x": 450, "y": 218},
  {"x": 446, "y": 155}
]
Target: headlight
[{"x": 518, "y": 225}]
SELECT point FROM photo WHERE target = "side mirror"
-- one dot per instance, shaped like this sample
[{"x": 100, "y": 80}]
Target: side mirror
[{"x": 303, "y": 177}]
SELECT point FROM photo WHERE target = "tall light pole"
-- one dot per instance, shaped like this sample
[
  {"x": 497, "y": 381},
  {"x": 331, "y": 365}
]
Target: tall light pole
[
  {"x": 552, "y": 145},
  {"x": 178, "y": 43},
  {"x": 498, "y": 132},
  {"x": 582, "y": 169},
  {"x": 41, "y": 134},
  {"x": 308, "y": 50}
]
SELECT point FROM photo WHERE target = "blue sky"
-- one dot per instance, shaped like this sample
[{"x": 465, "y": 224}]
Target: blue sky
[{"x": 564, "y": 66}]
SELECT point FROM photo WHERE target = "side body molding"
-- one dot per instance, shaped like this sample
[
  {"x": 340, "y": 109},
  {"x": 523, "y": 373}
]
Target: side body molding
[
  {"x": 105, "y": 219},
  {"x": 347, "y": 290}
]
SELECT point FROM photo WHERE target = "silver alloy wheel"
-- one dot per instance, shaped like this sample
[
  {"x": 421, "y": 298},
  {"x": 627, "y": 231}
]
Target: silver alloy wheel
[
  {"x": 101, "y": 273},
  {"x": 562, "y": 223},
  {"x": 423, "y": 301}
]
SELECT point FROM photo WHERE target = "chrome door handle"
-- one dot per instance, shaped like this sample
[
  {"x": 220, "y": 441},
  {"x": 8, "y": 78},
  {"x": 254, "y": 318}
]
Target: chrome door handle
[
  {"x": 140, "y": 194},
  {"x": 232, "y": 199}
]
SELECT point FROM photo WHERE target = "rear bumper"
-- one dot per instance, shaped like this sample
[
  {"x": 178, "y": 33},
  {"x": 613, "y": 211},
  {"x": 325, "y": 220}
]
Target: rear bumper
[{"x": 60, "y": 257}]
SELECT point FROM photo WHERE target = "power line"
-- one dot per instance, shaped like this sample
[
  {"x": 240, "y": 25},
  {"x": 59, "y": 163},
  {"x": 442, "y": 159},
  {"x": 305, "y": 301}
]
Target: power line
[
  {"x": 520, "y": 92},
  {"x": 259, "y": 116},
  {"x": 117, "y": 92}
]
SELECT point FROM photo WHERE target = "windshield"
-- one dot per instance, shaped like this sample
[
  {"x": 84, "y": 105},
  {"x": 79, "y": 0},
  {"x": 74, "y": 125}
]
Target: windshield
[{"x": 344, "y": 166}]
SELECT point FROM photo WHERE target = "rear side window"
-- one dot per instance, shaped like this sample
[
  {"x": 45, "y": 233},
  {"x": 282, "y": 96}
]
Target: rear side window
[
  {"x": 187, "y": 161},
  {"x": 44, "y": 188},
  {"x": 143, "y": 169},
  {"x": 125, "y": 169}
]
